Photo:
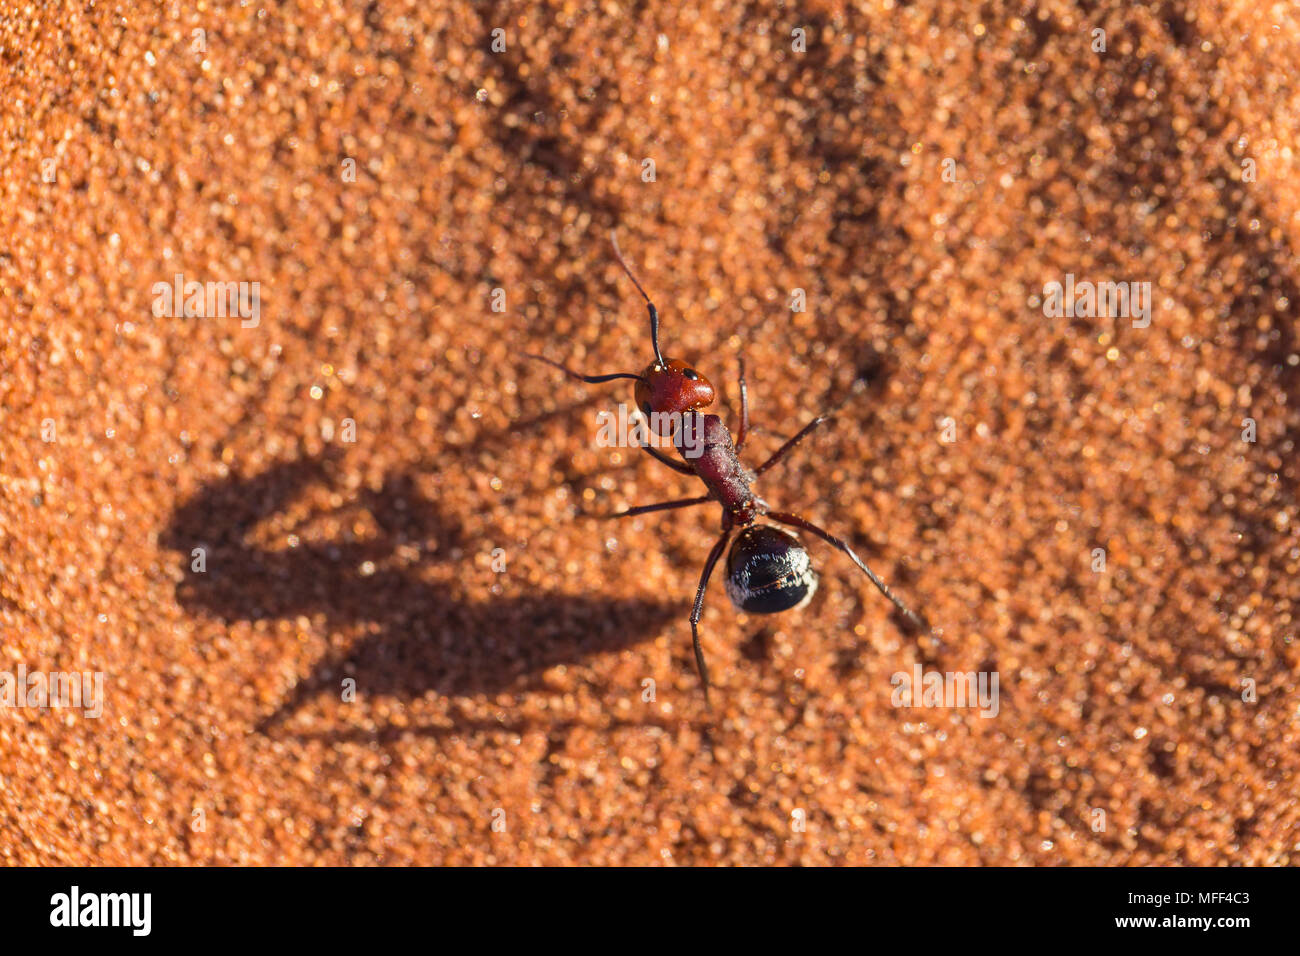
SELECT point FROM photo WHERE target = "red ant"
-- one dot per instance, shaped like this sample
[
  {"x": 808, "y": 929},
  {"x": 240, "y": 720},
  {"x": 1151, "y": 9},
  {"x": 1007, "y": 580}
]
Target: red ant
[{"x": 768, "y": 570}]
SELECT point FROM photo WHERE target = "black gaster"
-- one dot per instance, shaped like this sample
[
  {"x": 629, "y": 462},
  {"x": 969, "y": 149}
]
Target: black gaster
[{"x": 768, "y": 571}]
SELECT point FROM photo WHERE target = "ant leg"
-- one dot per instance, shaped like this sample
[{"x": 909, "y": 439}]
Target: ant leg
[
  {"x": 578, "y": 376},
  {"x": 662, "y": 506},
  {"x": 674, "y": 465},
  {"x": 744, "y": 409},
  {"x": 699, "y": 607},
  {"x": 785, "y": 449},
  {"x": 797, "y": 522}
]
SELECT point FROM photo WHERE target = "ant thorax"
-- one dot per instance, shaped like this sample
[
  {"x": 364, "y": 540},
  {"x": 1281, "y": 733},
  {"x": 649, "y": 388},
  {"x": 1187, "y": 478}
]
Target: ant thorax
[{"x": 705, "y": 444}]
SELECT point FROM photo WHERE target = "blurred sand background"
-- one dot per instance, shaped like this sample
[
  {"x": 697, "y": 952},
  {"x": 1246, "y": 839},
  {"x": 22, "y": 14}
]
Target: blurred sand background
[{"x": 516, "y": 696}]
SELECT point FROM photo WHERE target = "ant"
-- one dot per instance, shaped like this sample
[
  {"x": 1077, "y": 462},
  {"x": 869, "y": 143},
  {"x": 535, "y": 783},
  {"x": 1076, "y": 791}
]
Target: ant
[{"x": 768, "y": 570}]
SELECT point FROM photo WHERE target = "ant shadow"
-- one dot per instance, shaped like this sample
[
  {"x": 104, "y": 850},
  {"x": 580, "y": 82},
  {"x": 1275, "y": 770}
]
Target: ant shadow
[{"x": 420, "y": 636}]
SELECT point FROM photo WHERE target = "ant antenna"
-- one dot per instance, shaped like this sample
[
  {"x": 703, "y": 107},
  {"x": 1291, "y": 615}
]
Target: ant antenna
[
  {"x": 578, "y": 376},
  {"x": 654, "y": 313}
]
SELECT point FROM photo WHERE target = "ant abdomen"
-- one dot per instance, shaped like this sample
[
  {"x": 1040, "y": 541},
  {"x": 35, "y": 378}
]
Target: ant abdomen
[{"x": 769, "y": 571}]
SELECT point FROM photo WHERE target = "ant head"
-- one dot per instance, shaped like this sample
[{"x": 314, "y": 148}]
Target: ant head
[
  {"x": 671, "y": 387},
  {"x": 667, "y": 386},
  {"x": 769, "y": 571}
]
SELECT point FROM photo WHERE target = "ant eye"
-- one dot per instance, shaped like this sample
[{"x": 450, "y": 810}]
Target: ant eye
[{"x": 690, "y": 373}]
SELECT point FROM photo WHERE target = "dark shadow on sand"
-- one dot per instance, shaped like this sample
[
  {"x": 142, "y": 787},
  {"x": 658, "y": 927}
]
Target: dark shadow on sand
[{"x": 423, "y": 636}]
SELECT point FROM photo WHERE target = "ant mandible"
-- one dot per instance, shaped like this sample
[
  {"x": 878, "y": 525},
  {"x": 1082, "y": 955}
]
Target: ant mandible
[{"x": 768, "y": 570}]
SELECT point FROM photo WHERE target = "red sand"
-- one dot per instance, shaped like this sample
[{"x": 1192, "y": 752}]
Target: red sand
[{"x": 520, "y": 691}]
